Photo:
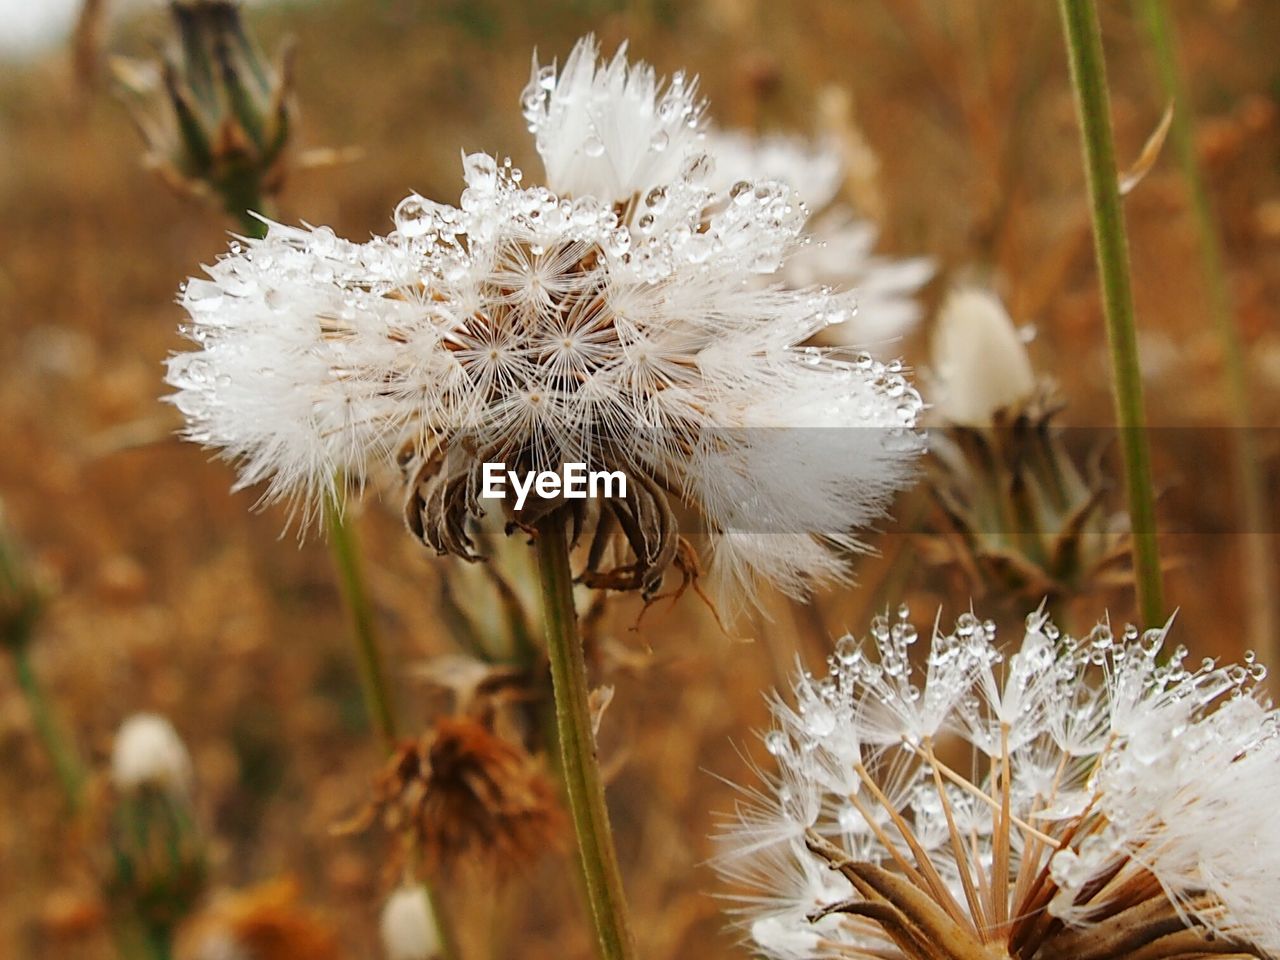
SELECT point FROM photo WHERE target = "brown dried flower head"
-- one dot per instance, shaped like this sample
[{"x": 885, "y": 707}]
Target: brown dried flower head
[
  {"x": 264, "y": 922},
  {"x": 462, "y": 794}
]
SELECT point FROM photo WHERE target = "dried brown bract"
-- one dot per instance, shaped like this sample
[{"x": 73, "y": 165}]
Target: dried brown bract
[
  {"x": 463, "y": 795},
  {"x": 264, "y": 922}
]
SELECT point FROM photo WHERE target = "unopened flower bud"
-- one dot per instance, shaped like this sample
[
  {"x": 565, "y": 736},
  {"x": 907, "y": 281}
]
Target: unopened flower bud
[
  {"x": 980, "y": 361},
  {"x": 157, "y": 866},
  {"x": 216, "y": 117},
  {"x": 408, "y": 926},
  {"x": 149, "y": 753}
]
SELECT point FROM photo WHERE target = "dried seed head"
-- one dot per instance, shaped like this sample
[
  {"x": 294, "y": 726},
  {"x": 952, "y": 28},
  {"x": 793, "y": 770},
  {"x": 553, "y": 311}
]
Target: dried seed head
[
  {"x": 840, "y": 248},
  {"x": 264, "y": 922},
  {"x": 1019, "y": 514},
  {"x": 463, "y": 795}
]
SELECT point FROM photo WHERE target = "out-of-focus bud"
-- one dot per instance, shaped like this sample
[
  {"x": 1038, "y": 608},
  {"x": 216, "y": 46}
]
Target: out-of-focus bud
[
  {"x": 980, "y": 362},
  {"x": 264, "y": 922},
  {"x": 149, "y": 753},
  {"x": 22, "y": 594},
  {"x": 217, "y": 119},
  {"x": 408, "y": 926},
  {"x": 157, "y": 867},
  {"x": 1018, "y": 517}
]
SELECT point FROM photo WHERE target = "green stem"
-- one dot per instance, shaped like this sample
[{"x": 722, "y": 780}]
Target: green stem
[
  {"x": 1253, "y": 503},
  {"x": 157, "y": 943},
  {"x": 1089, "y": 79},
  {"x": 345, "y": 550},
  {"x": 66, "y": 760},
  {"x": 373, "y": 675},
  {"x": 577, "y": 745}
]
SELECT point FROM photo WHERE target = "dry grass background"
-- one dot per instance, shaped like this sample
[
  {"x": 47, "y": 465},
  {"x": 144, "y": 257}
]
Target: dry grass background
[{"x": 174, "y": 596}]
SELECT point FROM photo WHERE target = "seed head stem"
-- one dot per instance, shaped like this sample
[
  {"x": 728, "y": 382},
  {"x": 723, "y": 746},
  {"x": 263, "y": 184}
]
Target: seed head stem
[
  {"x": 577, "y": 746},
  {"x": 1259, "y": 551},
  {"x": 62, "y": 753},
  {"x": 1089, "y": 81}
]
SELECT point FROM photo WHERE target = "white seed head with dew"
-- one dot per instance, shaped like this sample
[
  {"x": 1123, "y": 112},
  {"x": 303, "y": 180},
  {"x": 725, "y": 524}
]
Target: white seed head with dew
[
  {"x": 531, "y": 327},
  {"x": 1116, "y": 789},
  {"x": 840, "y": 247}
]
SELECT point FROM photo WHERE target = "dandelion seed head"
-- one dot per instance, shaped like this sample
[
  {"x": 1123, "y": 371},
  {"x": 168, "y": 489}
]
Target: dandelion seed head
[
  {"x": 1108, "y": 785},
  {"x": 538, "y": 326}
]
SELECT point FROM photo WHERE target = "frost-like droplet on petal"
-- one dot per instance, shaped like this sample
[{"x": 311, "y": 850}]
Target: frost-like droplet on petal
[{"x": 480, "y": 171}]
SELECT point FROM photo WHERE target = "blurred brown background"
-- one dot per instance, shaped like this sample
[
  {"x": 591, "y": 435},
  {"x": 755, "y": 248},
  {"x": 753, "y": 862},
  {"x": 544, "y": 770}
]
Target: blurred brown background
[{"x": 177, "y": 597}]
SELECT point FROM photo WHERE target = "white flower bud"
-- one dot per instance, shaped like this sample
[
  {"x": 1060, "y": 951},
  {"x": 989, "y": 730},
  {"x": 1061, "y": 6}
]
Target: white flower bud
[
  {"x": 408, "y": 926},
  {"x": 980, "y": 362},
  {"x": 149, "y": 752}
]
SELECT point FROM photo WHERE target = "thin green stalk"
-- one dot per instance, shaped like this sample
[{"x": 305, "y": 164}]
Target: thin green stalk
[
  {"x": 577, "y": 745},
  {"x": 1260, "y": 561},
  {"x": 373, "y": 675},
  {"x": 157, "y": 943},
  {"x": 1089, "y": 80},
  {"x": 62, "y": 753},
  {"x": 345, "y": 550}
]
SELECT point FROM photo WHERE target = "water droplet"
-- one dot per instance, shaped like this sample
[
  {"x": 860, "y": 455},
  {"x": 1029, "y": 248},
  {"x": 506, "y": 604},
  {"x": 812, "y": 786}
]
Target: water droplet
[
  {"x": 618, "y": 241},
  {"x": 740, "y": 192},
  {"x": 593, "y": 146},
  {"x": 656, "y": 199},
  {"x": 848, "y": 650},
  {"x": 585, "y": 211},
  {"x": 850, "y": 819},
  {"x": 413, "y": 216},
  {"x": 698, "y": 167},
  {"x": 202, "y": 296},
  {"x": 819, "y": 719},
  {"x": 480, "y": 171},
  {"x": 658, "y": 142},
  {"x": 777, "y": 742}
]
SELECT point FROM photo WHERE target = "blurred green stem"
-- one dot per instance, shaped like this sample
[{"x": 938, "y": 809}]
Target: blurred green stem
[
  {"x": 1259, "y": 558},
  {"x": 373, "y": 674},
  {"x": 1089, "y": 80},
  {"x": 345, "y": 550},
  {"x": 580, "y": 765},
  {"x": 158, "y": 943},
  {"x": 66, "y": 760}
]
